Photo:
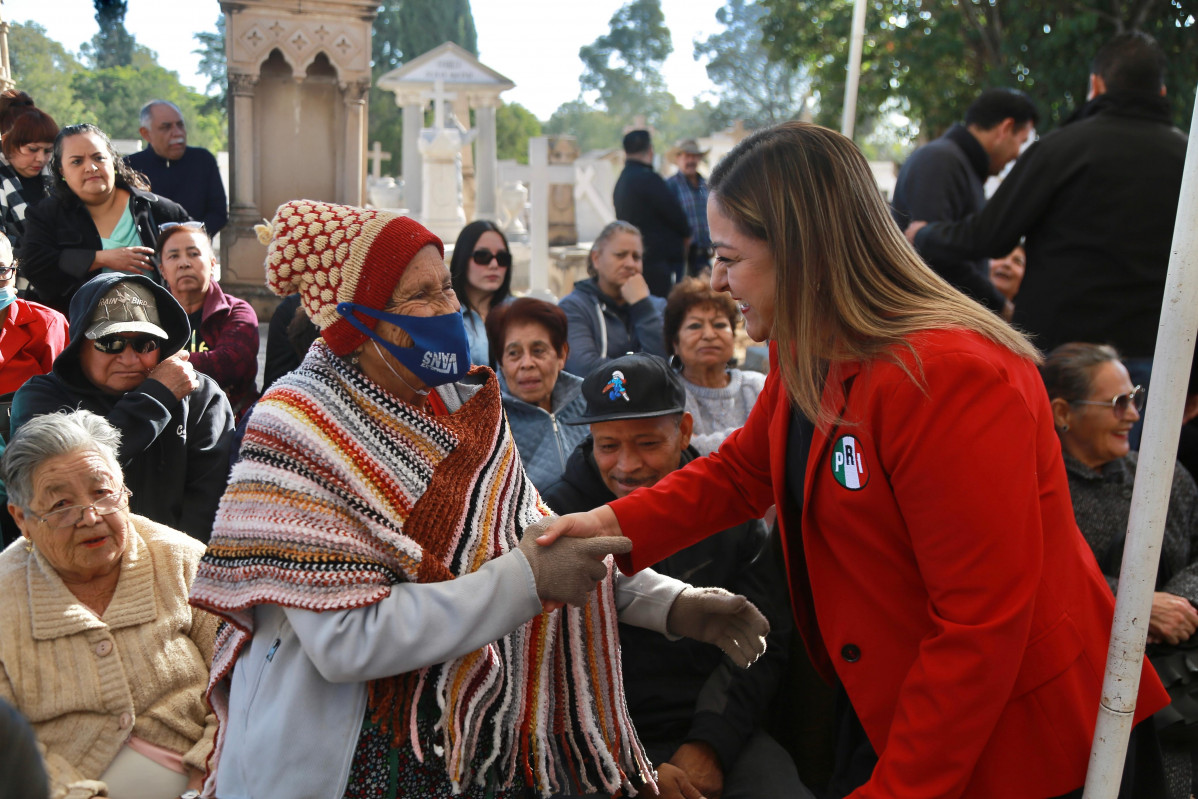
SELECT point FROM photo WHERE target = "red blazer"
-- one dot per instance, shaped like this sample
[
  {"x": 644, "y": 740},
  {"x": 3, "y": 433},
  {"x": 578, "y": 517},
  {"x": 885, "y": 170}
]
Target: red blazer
[
  {"x": 938, "y": 571},
  {"x": 30, "y": 340}
]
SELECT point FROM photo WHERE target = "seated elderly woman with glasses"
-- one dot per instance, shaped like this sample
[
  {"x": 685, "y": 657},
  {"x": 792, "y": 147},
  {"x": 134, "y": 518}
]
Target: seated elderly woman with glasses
[
  {"x": 1094, "y": 406},
  {"x": 99, "y": 648}
]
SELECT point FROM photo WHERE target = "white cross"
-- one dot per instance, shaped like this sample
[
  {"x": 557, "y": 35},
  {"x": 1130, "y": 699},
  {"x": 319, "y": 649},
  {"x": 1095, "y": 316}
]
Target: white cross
[
  {"x": 376, "y": 158},
  {"x": 539, "y": 175},
  {"x": 439, "y": 97}
]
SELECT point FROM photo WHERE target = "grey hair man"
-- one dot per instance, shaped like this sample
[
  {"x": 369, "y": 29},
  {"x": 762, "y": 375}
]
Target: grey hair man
[{"x": 187, "y": 175}]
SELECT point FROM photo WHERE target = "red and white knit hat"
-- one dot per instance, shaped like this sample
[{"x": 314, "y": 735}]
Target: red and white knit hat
[{"x": 338, "y": 253}]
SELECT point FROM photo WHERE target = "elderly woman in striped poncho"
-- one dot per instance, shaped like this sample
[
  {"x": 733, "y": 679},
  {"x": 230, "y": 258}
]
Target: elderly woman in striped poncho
[{"x": 385, "y": 630}]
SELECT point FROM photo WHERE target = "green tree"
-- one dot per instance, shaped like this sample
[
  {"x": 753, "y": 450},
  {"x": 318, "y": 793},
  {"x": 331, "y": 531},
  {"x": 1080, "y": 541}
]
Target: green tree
[
  {"x": 935, "y": 56},
  {"x": 43, "y": 68},
  {"x": 403, "y": 30},
  {"x": 624, "y": 65},
  {"x": 113, "y": 45},
  {"x": 213, "y": 66},
  {"x": 113, "y": 97},
  {"x": 752, "y": 85},
  {"x": 594, "y": 129},
  {"x": 514, "y": 126}
]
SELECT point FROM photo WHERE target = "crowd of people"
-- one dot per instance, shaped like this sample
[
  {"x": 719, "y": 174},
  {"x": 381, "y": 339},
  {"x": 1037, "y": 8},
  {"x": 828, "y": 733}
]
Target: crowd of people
[{"x": 464, "y": 542}]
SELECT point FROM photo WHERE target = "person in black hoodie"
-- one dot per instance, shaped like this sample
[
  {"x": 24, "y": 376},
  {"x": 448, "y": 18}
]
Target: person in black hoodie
[
  {"x": 126, "y": 361},
  {"x": 1097, "y": 200},
  {"x": 692, "y": 708}
]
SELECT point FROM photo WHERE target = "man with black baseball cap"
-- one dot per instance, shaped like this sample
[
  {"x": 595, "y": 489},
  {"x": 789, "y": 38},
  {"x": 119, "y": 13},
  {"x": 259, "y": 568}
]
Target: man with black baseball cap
[
  {"x": 125, "y": 361},
  {"x": 694, "y": 711}
]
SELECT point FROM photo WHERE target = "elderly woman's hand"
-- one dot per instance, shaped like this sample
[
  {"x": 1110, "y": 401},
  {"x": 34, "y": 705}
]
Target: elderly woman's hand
[
  {"x": 134, "y": 260},
  {"x": 570, "y": 569},
  {"x": 1173, "y": 619}
]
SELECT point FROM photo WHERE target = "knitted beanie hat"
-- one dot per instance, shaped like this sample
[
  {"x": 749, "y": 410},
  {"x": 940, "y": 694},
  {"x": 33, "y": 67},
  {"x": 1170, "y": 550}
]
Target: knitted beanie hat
[{"x": 330, "y": 254}]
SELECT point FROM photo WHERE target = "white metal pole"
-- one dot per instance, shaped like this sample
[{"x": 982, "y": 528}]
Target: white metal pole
[
  {"x": 1150, "y": 496},
  {"x": 856, "y": 45}
]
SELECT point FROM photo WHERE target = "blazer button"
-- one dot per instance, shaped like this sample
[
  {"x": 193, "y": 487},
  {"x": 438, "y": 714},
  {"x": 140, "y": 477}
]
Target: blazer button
[
  {"x": 850, "y": 652},
  {"x": 104, "y": 648}
]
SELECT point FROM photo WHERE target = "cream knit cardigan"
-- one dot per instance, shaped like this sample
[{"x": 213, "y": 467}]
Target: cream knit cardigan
[{"x": 87, "y": 683}]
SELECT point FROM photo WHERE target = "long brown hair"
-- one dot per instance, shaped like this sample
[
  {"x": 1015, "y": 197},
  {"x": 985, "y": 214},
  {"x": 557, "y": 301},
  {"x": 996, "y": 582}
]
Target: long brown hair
[{"x": 847, "y": 284}]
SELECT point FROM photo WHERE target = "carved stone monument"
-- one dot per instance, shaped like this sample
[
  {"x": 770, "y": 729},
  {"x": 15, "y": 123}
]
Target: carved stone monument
[
  {"x": 475, "y": 87},
  {"x": 298, "y": 78},
  {"x": 563, "y": 151}
]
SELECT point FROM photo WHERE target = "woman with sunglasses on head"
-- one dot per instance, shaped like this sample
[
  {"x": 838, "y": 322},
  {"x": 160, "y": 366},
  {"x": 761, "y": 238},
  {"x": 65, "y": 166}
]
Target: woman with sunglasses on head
[
  {"x": 224, "y": 329},
  {"x": 28, "y": 139},
  {"x": 100, "y": 217},
  {"x": 481, "y": 267},
  {"x": 1094, "y": 406}
]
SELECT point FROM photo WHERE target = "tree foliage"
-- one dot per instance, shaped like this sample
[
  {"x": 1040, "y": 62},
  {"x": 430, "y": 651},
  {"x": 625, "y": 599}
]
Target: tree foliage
[
  {"x": 624, "y": 65},
  {"x": 43, "y": 68},
  {"x": 213, "y": 66},
  {"x": 109, "y": 97},
  {"x": 113, "y": 45},
  {"x": 403, "y": 30},
  {"x": 935, "y": 56},
  {"x": 514, "y": 126},
  {"x": 752, "y": 84}
]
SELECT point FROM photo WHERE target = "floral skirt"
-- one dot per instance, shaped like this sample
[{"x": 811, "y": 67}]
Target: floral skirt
[{"x": 382, "y": 772}]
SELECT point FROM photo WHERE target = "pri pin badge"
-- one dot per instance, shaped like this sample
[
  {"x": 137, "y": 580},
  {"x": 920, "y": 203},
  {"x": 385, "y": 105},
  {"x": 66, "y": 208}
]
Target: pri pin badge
[{"x": 848, "y": 464}]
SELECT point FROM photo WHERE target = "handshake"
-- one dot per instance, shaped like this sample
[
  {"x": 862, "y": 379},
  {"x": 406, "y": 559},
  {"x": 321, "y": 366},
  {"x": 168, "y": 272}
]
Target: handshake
[{"x": 568, "y": 569}]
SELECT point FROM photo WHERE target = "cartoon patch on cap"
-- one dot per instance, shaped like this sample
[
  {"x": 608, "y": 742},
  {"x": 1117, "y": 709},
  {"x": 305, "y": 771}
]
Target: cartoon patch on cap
[
  {"x": 848, "y": 464},
  {"x": 615, "y": 387}
]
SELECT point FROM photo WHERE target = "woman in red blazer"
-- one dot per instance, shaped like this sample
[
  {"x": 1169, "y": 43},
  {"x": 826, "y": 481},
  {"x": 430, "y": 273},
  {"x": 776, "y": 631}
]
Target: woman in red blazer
[{"x": 936, "y": 570}]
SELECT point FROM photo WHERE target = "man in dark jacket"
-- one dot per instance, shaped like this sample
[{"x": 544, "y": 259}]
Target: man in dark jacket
[
  {"x": 188, "y": 175},
  {"x": 1097, "y": 200},
  {"x": 693, "y": 709},
  {"x": 126, "y": 362},
  {"x": 943, "y": 180},
  {"x": 642, "y": 198}
]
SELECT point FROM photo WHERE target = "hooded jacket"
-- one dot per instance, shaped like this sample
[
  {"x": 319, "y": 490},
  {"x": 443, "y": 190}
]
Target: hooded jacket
[
  {"x": 543, "y": 440},
  {"x": 681, "y": 690},
  {"x": 601, "y": 328},
  {"x": 174, "y": 453}
]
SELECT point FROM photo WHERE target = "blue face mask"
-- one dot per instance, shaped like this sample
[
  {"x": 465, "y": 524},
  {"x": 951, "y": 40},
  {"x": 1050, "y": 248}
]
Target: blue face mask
[
  {"x": 440, "y": 351},
  {"x": 7, "y": 295}
]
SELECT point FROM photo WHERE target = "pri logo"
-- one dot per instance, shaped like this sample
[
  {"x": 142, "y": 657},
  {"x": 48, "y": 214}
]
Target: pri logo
[
  {"x": 445, "y": 363},
  {"x": 848, "y": 464},
  {"x": 615, "y": 387}
]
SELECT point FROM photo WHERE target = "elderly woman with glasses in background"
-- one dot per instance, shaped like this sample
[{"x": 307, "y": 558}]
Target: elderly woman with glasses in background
[
  {"x": 481, "y": 267},
  {"x": 224, "y": 329},
  {"x": 100, "y": 217},
  {"x": 1094, "y": 406},
  {"x": 93, "y": 608}
]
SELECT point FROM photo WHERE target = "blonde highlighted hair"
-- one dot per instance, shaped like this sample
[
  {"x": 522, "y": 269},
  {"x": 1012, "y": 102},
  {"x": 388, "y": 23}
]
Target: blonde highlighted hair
[{"x": 847, "y": 284}]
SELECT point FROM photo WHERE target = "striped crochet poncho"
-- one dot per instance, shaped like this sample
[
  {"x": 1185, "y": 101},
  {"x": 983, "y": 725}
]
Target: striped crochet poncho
[{"x": 343, "y": 491}]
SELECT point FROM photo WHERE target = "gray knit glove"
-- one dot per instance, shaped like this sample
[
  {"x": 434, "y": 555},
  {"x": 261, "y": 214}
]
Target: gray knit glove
[
  {"x": 569, "y": 568},
  {"x": 714, "y": 616}
]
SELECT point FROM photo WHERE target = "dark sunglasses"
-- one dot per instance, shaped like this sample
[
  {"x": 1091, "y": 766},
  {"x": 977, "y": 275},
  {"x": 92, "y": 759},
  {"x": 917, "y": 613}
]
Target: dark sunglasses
[
  {"x": 115, "y": 344},
  {"x": 482, "y": 256},
  {"x": 190, "y": 225},
  {"x": 1121, "y": 402}
]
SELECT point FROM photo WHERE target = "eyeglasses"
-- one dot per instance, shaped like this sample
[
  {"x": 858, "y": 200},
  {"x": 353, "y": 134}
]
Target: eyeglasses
[
  {"x": 6, "y": 272},
  {"x": 1121, "y": 402},
  {"x": 71, "y": 515},
  {"x": 482, "y": 256},
  {"x": 190, "y": 225},
  {"x": 116, "y": 343}
]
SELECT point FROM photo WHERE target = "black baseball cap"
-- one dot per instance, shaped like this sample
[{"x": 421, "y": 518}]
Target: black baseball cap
[{"x": 635, "y": 386}]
